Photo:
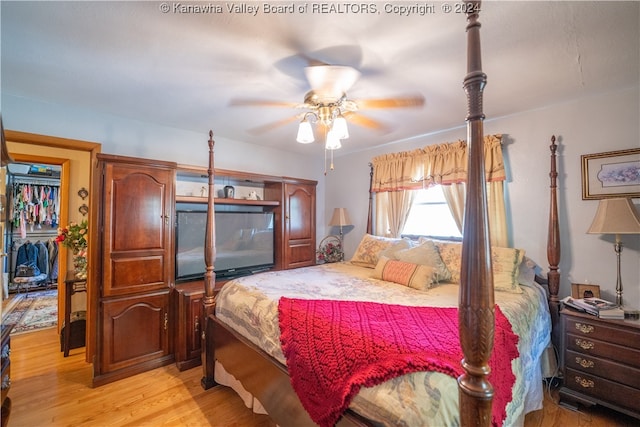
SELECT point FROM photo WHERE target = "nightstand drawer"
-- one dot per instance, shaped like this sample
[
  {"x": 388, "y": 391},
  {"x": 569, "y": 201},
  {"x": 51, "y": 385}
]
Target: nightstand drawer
[
  {"x": 592, "y": 365},
  {"x": 599, "y": 330},
  {"x": 600, "y": 388},
  {"x": 604, "y": 349}
]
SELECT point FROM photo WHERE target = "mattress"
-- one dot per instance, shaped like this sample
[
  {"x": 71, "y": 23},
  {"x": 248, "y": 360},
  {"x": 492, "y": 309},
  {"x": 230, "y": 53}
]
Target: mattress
[{"x": 249, "y": 305}]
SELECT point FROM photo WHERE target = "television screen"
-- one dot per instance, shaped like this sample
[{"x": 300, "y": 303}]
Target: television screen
[{"x": 244, "y": 243}]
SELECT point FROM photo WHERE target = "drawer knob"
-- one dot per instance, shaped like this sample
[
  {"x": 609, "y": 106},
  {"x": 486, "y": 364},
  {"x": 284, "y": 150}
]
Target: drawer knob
[
  {"x": 585, "y": 329},
  {"x": 585, "y": 382},
  {"x": 584, "y": 362},
  {"x": 584, "y": 344}
]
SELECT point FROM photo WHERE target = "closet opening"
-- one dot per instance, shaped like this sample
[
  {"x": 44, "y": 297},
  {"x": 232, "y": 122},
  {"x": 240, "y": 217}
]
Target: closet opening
[
  {"x": 33, "y": 193},
  {"x": 68, "y": 160}
]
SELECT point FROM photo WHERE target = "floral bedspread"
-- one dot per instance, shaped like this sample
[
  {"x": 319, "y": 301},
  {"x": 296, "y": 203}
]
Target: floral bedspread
[{"x": 249, "y": 305}]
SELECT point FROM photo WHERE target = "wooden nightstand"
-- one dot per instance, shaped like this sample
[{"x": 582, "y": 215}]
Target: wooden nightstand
[{"x": 601, "y": 362}]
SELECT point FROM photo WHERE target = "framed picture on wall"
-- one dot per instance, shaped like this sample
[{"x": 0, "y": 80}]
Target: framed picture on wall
[
  {"x": 611, "y": 174},
  {"x": 579, "y": 290}
]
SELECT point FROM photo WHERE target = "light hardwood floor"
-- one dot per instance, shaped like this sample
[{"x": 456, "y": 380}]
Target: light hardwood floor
[{"x": 50, "y": 390}]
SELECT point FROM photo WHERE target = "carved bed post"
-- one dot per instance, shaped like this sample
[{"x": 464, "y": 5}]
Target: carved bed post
[
  {"x": 208, "y": 301},
  {"x": 553, "y": 245},
  {"x": 476, "y": 300},
  {"x": 370, "y": 215}
]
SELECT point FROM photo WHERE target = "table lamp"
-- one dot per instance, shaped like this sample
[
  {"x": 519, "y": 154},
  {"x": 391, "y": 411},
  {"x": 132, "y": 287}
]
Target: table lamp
[
  {"x": 616, "y": 216},
  {"x": 340, "y": 219}
]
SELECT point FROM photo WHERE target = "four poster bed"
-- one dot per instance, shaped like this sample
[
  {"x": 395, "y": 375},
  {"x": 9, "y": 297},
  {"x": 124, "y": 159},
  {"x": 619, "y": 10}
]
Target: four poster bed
[{"x": 364, "y": 343}]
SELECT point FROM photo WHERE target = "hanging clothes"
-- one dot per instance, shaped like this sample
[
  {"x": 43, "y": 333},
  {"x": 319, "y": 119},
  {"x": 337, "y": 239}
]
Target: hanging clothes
[
  {"x": 34, "y": 206},
  {"x": 52, "y": 248},
  {"x": 27, "y": 262}
]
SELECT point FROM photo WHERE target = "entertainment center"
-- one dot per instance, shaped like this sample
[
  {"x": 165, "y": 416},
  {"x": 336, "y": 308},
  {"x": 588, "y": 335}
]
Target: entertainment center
[
  {"x": 148, "y": 254},
  {"x": 269, "y": 223}
]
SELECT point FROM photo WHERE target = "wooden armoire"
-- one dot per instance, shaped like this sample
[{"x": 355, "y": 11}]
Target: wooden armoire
[
  {"x": 299, "y": 228},
  {"x": 133, "y": 266}
]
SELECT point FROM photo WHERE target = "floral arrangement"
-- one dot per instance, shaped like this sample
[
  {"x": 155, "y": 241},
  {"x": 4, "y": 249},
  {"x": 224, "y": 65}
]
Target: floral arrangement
[
  {"x": 74, "y": 237},
  {"x": 330, "y": 251}
]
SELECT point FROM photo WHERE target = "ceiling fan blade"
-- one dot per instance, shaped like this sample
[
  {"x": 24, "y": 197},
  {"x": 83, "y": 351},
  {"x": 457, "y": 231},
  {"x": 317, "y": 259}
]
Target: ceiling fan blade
[
  {"x": 331, "y": 80},
  {"x": 262, "y": 103},
  {"x": 367, "y": 122},
  {"x": 273, "y": 125},
  {"x": 398, "y": 102}
]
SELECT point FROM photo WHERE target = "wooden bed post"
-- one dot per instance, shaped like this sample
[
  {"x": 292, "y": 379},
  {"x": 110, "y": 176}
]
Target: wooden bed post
[
  {"x": 476, "y": 300},
  {"x": 370, "y": 214},
  {"x": 553, "y": 246},
  {"x": 209, "y": 301}
]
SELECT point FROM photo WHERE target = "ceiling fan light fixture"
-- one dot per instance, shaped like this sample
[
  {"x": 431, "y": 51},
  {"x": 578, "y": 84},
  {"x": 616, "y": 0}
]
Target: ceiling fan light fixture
[
  {"x": 305, "y": 133},
  {"x": 332, "y": 142},
  {"x": 340, "y": 127}
]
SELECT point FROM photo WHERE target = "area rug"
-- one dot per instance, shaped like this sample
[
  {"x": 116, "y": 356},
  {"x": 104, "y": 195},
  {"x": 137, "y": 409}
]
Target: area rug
[{"x": 32, "y": 311}]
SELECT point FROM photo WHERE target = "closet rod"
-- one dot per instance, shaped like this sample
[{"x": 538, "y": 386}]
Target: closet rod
[
  {"x": 54, "y": 182},
  {"x": 31, "y": 235}
]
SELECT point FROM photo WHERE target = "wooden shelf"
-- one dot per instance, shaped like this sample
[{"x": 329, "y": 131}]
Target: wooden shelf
[{"x": 223, "y": 201}]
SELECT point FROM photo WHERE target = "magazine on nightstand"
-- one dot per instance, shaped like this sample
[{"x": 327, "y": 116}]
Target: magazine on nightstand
[{"x": 596, "y": 307}]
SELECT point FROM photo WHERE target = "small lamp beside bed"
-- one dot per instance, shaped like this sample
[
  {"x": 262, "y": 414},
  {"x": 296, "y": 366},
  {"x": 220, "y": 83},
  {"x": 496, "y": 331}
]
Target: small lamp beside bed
[
  {"x": 340, "y": 219},
  {"x": 616, "y": 216}
]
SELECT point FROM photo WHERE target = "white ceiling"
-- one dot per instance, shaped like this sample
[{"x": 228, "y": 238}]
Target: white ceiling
[{"x": 183, "y": 69}]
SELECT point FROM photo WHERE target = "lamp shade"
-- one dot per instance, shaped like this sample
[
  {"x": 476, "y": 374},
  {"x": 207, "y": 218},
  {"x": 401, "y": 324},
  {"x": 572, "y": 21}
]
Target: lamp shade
[
  {"x": 305, "y": 133},
  {"x": 616, "y": 216},
  {"x": 333, "y": 142},
  {"x": 340, "y": 127},
  {"x": 340, "y": 218}
]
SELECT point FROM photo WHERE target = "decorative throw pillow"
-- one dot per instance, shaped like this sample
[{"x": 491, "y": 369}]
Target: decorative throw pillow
[
  {"x": 368, "y": 251},
  {"x": 426, "y": 254},
  {"x": 416, "y": 276},
  {"x": 527, "y": 271},
  {"x": 451, "y": 254},
  {"x": 506, "y": 263},
  {"x": 391, "y": 251}
]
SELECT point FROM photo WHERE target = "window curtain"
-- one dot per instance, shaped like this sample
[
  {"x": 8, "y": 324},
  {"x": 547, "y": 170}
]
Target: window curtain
[
  {"x": 395, "y": 207},
  {"x": 445, "y": 164}
]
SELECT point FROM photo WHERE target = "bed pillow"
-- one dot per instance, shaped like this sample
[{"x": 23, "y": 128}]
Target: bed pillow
[
  {"x": 391, "y": 251},
  {"x": 451, "y": 254},
  {"x": 527, "y": 271},
  {"x": 506, "y": 263},
  {"x": 369, "y": 249},
  {"x": 416, "y": 276},
  {"x": 427, "y": 254}
]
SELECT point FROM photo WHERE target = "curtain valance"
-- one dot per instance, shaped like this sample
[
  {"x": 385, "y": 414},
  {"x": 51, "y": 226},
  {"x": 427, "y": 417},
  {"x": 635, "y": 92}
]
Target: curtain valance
[{"x": 434, "y": 164}]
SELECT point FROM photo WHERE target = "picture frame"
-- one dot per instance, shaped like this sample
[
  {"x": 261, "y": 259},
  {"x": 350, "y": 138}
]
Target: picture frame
[
  {"x": 611, "y": 174},
  {"x": 579, "y": 290}
]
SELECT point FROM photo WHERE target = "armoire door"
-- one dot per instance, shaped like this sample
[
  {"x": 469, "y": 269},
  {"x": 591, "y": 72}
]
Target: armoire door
[
  {"x": 137, "y": 229},
  {"x": 299, "y": 237},
  {"x": 136, "y": 267},
  {"x": 135, "y": 330}
]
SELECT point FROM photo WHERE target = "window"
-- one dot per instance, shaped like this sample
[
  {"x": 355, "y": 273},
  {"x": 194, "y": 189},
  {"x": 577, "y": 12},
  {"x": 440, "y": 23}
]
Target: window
[{"x": 430, "y": 215}]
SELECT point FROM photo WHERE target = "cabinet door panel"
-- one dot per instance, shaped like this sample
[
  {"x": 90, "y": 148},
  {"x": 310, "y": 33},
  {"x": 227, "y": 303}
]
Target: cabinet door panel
[
  {"x": 137, "y": 231},
  {"x": 194, "y": 327},
  {"x": 299, "y": 237},
  {"x": 135, "y": 330}
]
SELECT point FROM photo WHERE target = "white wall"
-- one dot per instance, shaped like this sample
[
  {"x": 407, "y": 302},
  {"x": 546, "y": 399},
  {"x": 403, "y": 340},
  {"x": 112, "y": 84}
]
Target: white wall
[
  {"x": 607, "y": 122},
  {"x": 126, "y": 137}
]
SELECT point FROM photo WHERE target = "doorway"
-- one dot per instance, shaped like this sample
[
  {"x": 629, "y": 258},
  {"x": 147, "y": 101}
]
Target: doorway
[
  {"x": 75, "y": 159},
  {"x": 33, "y": 205}
]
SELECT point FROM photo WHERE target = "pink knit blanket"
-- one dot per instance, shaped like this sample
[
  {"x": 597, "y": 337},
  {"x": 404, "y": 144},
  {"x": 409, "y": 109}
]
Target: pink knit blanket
[{"x": 333, "y": 348}]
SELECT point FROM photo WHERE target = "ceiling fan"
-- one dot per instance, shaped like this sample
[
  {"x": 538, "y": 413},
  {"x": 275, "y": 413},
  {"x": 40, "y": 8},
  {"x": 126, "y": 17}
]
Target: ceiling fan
[{"x": 328, "y": 105}]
